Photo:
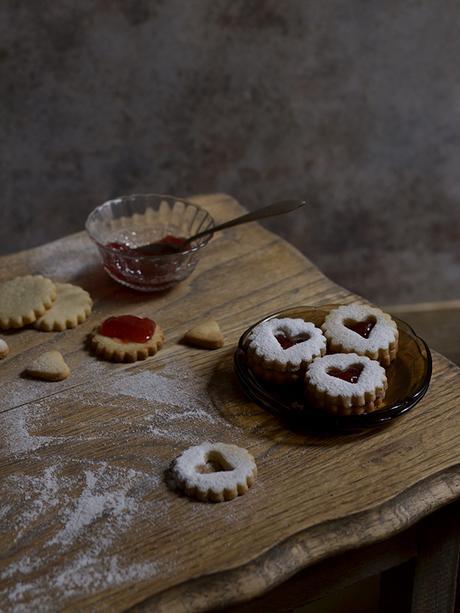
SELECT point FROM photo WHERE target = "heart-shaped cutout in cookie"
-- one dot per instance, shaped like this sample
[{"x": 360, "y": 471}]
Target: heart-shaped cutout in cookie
[
  {"x": 350, "y": 374},
  {"x": 363, "y": 328},
  {"x": 288, "y": 341},
  {"x": 214, "y": 463}
]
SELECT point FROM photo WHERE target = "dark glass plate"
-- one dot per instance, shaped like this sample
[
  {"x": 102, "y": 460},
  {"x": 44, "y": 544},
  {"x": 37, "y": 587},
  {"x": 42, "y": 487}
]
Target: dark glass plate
[{"x": 408, "y": 380}]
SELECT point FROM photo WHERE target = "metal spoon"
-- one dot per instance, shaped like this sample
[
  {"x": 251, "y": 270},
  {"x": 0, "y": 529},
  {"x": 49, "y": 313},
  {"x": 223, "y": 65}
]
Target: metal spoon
[{"x": 278, "y": 208}]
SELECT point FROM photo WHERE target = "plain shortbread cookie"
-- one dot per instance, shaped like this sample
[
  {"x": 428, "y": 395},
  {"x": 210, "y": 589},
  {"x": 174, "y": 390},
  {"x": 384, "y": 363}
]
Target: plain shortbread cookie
[
  {"x": 49, "y": 366},
  {"x": 24, "y": 299},
  {"x": 206, "y": 334},
  {"x": 71, "y": 307}
]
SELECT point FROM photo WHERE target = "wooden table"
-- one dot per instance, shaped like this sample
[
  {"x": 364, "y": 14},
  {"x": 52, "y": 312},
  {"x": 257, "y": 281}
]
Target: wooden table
[{"x": 87, "y": 519}]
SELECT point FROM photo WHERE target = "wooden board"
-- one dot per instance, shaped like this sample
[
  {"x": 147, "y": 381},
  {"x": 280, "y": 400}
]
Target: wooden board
[{"x": 87, "y": 520}]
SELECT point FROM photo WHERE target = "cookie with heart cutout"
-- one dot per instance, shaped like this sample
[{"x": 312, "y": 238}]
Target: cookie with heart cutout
[
  {"x": 214, "y": 472},
  {"x": 362, "y": 329},
  {"x": 280, "y": 349},
  {"x": 345, "y": 384}
]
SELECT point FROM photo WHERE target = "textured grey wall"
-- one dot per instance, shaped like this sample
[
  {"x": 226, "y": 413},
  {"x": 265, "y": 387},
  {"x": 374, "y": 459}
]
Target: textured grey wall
[{"x": 354, "y": 104}]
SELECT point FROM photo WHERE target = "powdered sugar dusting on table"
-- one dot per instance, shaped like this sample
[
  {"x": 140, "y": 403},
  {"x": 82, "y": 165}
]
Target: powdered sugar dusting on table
[
  {"x": 84, "y": 507},
  {"x": 95, "y": 517}
]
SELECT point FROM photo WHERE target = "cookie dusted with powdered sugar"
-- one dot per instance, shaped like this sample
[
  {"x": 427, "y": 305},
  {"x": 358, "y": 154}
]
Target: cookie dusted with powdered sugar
[
  {"x": 362, "y": 329},
  {"x": 4, "y": 349},
  {"x": 279, "y": 350},
  {"x": 346, "y": 383},
  {"x": 214, "y": 472}
]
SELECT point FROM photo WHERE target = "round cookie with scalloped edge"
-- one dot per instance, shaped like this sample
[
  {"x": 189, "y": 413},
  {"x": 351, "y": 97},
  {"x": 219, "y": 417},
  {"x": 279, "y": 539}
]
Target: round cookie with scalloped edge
[
  {"x": 346, "y": 383},
  {"x": 117, "y": 350},
  {"x": 24, "y": 299},
  {"x": 214, "y": 472},
  {"x": 362, "y": 329},
  {"x": 280, "y": 349},
  {"x": 71, "y": 307}
]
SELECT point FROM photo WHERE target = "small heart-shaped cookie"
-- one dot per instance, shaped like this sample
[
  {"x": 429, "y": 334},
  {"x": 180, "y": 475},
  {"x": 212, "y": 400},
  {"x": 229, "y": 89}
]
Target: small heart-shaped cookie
[
  {"x": 207, "y": 334},
  {"x": 49, "y": 366}
]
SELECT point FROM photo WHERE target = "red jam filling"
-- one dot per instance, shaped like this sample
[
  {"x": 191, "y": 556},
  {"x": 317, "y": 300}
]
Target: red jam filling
[
  {"x": 168, "y": 245},
  {"x": 363, "y": 328},
  {"x": 286, "y": 341},
  {"x": 350, "y": 374},
  {"x": 128, "y": 328}
]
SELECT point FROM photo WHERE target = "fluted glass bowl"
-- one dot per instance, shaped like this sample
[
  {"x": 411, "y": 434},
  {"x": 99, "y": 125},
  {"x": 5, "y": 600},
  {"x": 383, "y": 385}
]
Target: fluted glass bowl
[{"x": 141, "y": 219}]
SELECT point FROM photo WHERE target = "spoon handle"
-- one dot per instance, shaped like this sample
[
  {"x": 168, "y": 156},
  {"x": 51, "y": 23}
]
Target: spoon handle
[{"x": 278, "y": 208}]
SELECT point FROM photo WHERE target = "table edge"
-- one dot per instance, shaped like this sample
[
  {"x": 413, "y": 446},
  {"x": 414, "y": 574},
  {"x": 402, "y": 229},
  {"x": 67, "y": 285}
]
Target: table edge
[{"x": 283, "y": 560}]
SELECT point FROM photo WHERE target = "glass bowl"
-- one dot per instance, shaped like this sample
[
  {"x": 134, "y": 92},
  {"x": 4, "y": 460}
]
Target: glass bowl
[
  {"x": 121, "y": 225},
  {"x": 408, "y": 380}
]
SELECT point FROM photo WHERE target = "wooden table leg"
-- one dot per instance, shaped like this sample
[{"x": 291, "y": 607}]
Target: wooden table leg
[{"x": 436, "y": 568}]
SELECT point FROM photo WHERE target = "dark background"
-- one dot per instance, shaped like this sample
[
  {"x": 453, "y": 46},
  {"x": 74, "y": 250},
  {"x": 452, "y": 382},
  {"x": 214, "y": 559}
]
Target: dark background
[{"x": 354, "y": 105}]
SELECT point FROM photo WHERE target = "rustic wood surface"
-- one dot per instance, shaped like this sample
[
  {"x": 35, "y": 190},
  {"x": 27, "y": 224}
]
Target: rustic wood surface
[{"x": 87, "y": 519}]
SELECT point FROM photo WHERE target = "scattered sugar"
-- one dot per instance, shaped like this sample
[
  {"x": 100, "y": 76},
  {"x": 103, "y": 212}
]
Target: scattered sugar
[
  {"x": 161, "y": 389},
  {"x": 93, "y": 502},
  {"x": 63, "y": 264},
  {"x": 89, "y": 571},
  {"x": 16, "y": 435},
  {"x": 94, "y": 505},
  {"x": 110, "y": 499}
]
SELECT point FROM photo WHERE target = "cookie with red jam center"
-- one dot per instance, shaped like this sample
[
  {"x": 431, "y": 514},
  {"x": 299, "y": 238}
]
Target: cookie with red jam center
[
  {"x": 362, "y": 329},
  {"x": 126, "y": 338},
  {"x": 345, "y": 384},
  {"x": 280, "y": 349}
]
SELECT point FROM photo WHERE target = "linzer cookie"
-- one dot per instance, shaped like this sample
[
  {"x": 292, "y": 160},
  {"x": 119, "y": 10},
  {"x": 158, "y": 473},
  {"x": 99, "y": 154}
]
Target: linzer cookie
[
  {"x": 345, "y": 384},
  {"x": 24, "y": 299},
  {"x": 214, "y": 472},
  {"x": 362, "y": 329},
  {"x": 71, "y": 307},
  {"x": 126, "y": 338},
  {"x": 279, "y": 350}
]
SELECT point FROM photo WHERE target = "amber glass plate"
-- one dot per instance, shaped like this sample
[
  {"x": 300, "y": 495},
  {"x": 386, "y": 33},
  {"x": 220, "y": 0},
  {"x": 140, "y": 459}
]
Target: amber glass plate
[{"x": 408, "y": 380}]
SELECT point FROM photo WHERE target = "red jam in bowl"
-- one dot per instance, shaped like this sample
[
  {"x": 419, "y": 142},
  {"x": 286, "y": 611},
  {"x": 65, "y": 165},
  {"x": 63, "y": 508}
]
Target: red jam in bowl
[
  {"x": 128, "y": 328},
  {"x": 166, "y": 246}
]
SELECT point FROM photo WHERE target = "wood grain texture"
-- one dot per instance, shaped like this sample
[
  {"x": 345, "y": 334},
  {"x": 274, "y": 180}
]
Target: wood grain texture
[{"x": 87, "y": 519}]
